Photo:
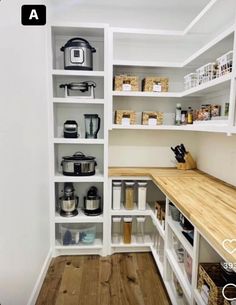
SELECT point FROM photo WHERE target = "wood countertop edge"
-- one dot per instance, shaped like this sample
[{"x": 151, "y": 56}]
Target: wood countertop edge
[{"x": 149, "y": 172}]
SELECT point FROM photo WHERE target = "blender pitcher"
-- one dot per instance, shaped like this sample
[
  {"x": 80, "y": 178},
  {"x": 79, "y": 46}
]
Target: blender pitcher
[{"x": 92, "y": 125}]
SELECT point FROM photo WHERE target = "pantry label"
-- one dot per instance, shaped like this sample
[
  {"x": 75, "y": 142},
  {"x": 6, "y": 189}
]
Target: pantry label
[{"x": 33, "y": 15}]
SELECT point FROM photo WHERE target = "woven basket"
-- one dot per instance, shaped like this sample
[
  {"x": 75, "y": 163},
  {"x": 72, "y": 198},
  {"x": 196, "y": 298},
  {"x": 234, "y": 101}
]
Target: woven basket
[
  {"x": 149, "y": 82},
  {"x": 210, "y": 274},
  {"x": 119, "y": 114},
  {"x": 119, "y": 80},
  {"x": 146, "y": 115}
]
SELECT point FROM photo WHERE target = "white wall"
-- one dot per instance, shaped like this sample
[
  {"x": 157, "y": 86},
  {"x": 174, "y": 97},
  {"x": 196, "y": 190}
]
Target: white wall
[
  {"x": 24, "y": 200},
  {"x": 147, "y": 148},
  {"x": 216, "y": 155}
]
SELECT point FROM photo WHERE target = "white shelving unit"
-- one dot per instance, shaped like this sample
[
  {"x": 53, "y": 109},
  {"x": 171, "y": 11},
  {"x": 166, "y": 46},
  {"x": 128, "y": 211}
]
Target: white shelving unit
[{"x": 62, "y": 109}]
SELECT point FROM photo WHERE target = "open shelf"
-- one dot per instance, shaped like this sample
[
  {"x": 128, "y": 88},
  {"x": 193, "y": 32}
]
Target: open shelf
[
  {"x": 77, "y": 141},
  {"x": 159, "y": 64},
  {"x": 59, "y": 177},
  {"x": 177, "y": 229},
  {"x": 146, "y": 94},
  {"x": 158, "y": 225},
  {"x": 80, "y": 218},
  {"x": 133, "y": 212},
  {"x": 97, "y": 244},
  {"x": 157, "y": 260},
  {"x": 147, "y": 243},
  {"x": 177, "y": 269},
  {"x": 61, "y": 72},
  {"x": 75, "y": 100}
]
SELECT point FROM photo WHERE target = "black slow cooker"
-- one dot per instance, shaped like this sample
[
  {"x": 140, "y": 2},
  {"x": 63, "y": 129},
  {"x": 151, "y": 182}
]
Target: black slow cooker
[{"x": 78, "y": 165}]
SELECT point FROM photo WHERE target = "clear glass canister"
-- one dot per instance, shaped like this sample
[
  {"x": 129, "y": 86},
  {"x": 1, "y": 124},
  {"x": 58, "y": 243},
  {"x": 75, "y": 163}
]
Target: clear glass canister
[
  {"x": 129, "y": 195},
  {"x": 142, "y": 194},
  {"x": 116, "y": 230},
  {"x": 116, "y": 194},
  {"x": 127, "y": 230},
  {"x": 140, "y": 230}
]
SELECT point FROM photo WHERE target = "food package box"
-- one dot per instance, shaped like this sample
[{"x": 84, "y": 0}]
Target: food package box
[
  {"x": 125, "y": 117},
  {"x": 126, "y": 83},
  {"x": 155, "y": 84},
  {"x": 152, "y": 118},
  {"x": 215, "y": 110}
]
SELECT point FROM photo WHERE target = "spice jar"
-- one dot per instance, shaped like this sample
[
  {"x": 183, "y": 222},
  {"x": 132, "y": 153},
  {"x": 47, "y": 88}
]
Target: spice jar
[
  {"x": 129, "y": 195},
  {"x": 140, "y": 230},
  {"x": 116, "y": 194},
  {"x": 116, "y": 230},
  {"x": 127, "y": 230},
  {"x": 142, "y": 192}
]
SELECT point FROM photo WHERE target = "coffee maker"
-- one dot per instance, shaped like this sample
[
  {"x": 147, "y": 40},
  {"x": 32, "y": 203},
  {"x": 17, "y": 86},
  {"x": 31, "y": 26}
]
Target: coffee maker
[
  {"x": 92, "y": 125},
  {"x": 69, "y": 201}
]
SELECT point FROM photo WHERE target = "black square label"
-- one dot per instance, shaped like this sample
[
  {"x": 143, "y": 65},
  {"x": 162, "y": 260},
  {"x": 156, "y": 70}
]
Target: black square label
[{"x": 33, "y": 14}]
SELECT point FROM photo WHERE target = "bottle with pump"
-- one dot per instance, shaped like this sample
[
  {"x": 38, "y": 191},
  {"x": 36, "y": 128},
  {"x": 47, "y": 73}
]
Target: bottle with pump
[{"x": 178, "y": 114}]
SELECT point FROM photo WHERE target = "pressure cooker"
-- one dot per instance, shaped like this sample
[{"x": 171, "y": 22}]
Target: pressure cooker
[
  {"x": 78, "y": 165},
  {"x": 78, "y": 54}
]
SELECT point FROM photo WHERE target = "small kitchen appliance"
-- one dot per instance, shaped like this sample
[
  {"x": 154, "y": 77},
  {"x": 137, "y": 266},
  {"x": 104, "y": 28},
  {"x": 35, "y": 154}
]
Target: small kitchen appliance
[
  {"x": 70, "y": 129},
  {"x": 78, "y": 54},
  {"x": 80, "y": 88},
  {"x": 78, "y": 165},
  {"x": 69, "y": 201},
  {"x": 92, "y": 125},
  {"x": 92, "y": 202}
]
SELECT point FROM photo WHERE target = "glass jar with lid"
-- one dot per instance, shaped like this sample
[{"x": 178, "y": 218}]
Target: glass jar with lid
[{"x": 129, "y": 195}]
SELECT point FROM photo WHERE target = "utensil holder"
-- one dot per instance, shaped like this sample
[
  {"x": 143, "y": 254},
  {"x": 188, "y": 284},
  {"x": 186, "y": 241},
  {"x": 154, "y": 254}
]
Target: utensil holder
[{"x": 189, "y": 163}]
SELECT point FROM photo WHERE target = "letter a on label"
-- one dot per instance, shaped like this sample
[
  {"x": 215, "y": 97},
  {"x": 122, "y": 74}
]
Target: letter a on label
[{"x": 33, "y": 14}]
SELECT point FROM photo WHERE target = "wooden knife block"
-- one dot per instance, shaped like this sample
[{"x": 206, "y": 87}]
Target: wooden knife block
[{"x": 189, "y": 163}]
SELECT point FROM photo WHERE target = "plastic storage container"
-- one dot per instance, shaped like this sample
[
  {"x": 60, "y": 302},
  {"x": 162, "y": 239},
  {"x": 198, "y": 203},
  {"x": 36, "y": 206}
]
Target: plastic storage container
[
  {"x": 116, "y": 230},
  {"x": 127, "y": 230},
  {"x": 116, "y": 194},
  {"x": 142, "y": 195},
  {"x": 206, "y": 73},
  {"x": 225, "y": 63},
  {"x": 140, "y": 230},
  {"x": 129, "y": 195},
  {"x": 190, "y": 81},
  {"x": 71, "y": 234}
]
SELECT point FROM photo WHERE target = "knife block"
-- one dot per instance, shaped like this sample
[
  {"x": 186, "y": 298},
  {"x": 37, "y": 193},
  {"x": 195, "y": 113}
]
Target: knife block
[{"x": 189, "y": 163}]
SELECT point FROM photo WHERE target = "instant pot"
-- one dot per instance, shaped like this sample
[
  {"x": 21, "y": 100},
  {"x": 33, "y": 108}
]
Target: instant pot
[{"x": 78, "y": 54}]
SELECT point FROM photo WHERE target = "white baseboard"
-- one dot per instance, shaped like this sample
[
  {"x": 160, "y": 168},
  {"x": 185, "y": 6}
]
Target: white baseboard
[{"x": 40, "y": 279}]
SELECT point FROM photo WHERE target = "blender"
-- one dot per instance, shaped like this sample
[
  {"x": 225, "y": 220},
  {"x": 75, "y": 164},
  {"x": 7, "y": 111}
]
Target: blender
[{"x": 92, "y": 125}]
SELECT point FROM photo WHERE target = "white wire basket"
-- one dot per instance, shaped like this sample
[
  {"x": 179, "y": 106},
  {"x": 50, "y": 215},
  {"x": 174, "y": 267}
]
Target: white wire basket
[
  {"x": 225, "y": 63},
  {"x": 190, "y": 81},
  {"x": 206, "y": 73}
]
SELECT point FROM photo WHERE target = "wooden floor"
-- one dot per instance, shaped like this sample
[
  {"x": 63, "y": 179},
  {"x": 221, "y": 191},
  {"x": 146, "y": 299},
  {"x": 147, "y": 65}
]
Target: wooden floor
[{"x": 120, "y": 279}]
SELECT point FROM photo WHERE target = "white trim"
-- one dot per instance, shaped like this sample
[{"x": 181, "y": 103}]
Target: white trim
[{"x": 40, "y": 279}]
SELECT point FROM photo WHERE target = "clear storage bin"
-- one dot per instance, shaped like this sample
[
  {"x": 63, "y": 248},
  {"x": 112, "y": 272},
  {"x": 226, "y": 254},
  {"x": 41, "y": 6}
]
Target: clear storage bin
[
  {"x": 127, "y": 230},
  {"x": 129, "y": 195},
  {"x": 142, "y": 195},
  {"x": 140, "y": 230},
  {"x": 116, "y": 230},
  {"x": 116, "y": 194},
  {"x": 72, "y": 234}
]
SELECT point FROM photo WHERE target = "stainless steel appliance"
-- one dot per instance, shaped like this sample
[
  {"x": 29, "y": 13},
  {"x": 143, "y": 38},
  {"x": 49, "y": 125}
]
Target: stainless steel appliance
[
  {"x": 68, "y": 203},
  {"x": 78, "y": 54},
  {"x": 84, "y": 89},
  {"x": 92, "y": 125},
  {"x": 70, "y": 129},
  {"x": 78, "y": 165},
  {"x": 92, "y": 202}
]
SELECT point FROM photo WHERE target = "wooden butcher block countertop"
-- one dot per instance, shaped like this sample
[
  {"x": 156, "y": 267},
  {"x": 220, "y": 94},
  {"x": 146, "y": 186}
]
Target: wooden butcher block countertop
[{"x": 210, "y": 204}]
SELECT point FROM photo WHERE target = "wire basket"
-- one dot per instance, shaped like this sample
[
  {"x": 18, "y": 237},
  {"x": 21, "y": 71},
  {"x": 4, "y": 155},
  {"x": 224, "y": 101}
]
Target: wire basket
[
  {"x": 190, "y": 81},
  {"x": 225, "y": 63}
]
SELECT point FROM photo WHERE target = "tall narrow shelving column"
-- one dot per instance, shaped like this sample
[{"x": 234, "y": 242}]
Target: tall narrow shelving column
[{"x": 63, "y": 108}]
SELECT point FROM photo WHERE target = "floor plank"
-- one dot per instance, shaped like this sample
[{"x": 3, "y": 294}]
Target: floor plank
[{"x": 120, "y": 279}]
